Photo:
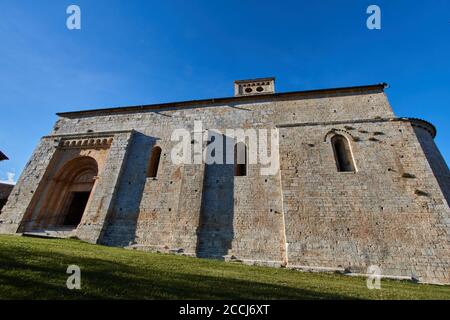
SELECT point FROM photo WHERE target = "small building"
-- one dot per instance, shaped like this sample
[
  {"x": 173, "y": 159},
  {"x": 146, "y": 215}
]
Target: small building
[
  {"x": 3, "y": 156},
  {"x": 5, "y": 189}
]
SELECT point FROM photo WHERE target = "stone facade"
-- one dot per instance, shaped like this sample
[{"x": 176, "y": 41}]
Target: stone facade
[{"x": 390, "y": 210}]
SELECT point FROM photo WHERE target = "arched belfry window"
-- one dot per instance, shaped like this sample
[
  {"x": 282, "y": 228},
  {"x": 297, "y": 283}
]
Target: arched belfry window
[
  {"x": 153, "y": 165},
  {"x": 342, "y": 154},
  {"x": 240, "y": 159}
]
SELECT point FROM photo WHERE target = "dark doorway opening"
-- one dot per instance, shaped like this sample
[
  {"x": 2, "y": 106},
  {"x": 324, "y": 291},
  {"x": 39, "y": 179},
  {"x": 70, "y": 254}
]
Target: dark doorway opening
[
  {"x": 76, "y": 208},
  {"x": 2, "y": 203}
]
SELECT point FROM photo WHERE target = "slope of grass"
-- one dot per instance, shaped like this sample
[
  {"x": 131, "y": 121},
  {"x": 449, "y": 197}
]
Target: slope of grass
[{"x": 36, "y": 269}]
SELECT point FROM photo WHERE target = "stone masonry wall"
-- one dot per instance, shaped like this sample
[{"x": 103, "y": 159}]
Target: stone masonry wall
[
  {"x": 29, "y": 181},
  {"x": 174, "y": 212},
  {"x": 392, "y": 212},
  {"x": 389, "y": 213},
  {"x": 436, "y": 161}
]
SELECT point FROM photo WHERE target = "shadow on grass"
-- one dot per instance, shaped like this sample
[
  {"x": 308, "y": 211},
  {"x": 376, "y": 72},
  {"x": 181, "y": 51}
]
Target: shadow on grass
[{"x": 39, "y": 274}]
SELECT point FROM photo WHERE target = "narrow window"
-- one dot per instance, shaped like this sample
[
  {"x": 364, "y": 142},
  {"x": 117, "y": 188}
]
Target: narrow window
[
  {"x": 152, "y": 171},
  {"x": 240, "y": 159},
  {"x": 342, "y": 154}
]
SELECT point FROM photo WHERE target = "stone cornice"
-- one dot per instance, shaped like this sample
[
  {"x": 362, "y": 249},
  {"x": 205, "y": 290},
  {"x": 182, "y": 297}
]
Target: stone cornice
[
  {"x": 209, "y": 102},
  {"x": 414, "y": 121},
  {"x": 92, "y": 135}
]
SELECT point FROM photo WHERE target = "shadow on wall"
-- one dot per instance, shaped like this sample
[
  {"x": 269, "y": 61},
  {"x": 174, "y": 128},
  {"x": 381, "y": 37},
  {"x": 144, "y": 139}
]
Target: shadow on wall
[
  {"x": 436, "y": 161},
  {"x": 215, "y": 232},
  {"x": 5, "y": 191},
  {"x": 122, "y": 222}
]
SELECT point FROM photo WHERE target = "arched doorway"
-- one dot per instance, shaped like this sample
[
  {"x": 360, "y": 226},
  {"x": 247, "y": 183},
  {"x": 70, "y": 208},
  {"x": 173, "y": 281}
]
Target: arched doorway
[{"x": 68, "y": 194}]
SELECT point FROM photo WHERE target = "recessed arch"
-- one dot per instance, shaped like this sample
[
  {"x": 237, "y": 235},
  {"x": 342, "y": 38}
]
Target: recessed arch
[
  {"x": 240, "y": 159},
  {"x": 77, "y": 167},
  {"x": 342, "y": 153},
  {"x": 342, "y": 132},
  {"x": 153, "y": 165},
  {"x": 76, "y": 181},
  {"x": 62, "y": 204}
]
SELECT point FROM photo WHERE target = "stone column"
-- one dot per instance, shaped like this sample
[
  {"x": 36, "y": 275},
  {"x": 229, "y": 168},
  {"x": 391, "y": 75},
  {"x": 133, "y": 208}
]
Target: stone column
[{"x": 102, "y": 199}]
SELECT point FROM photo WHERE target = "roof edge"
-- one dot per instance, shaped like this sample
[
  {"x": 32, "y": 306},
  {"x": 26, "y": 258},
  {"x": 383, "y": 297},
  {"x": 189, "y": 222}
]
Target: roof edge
[
  {"x": 256, "y": 79},
  {"x": 426, "y": 125},
  {"x": 3, "y": 156},
  {"x": 416, "y": 122},
  {"x": 379, "y": 86}
]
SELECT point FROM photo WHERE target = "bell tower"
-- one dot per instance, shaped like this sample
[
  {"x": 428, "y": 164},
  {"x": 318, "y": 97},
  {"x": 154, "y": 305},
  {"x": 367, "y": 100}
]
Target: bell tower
[{"x": 254, "y": 87}]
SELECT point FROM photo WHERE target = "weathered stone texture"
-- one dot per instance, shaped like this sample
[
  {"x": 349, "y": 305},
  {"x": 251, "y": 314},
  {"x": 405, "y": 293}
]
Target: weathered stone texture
[
  {"x": 369, "y": 217},
  {"x": 392, "y": 212},
  {"x": 29, "y": 182}
]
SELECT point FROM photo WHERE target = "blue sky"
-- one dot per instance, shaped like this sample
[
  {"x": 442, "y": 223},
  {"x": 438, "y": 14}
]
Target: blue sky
[{"x": 141, "y": 52}]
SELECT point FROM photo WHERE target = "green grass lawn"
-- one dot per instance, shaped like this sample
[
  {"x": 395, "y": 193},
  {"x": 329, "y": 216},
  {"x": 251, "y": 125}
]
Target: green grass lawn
[{"x": 32, "y": 268}]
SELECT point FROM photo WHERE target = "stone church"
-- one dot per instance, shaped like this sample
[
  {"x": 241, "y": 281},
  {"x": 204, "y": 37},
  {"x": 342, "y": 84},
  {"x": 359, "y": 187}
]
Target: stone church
[{"x": 357, "y": 186}]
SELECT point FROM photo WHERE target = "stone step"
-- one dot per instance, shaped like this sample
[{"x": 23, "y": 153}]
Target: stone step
[
  {"x": 210, "y": 256},
  {"x": 60, "y": 233}
]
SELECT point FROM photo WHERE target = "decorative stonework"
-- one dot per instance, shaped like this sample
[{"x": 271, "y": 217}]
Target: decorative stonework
[
  {"x": 104, "y": 143},
  {"x": 335, "y": 131}
]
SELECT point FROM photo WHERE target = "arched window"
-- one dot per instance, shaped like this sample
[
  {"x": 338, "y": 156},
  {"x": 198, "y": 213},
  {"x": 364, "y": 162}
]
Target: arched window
[
  {"x": 153, "y": 165},
  {"x": 342, "y": 154},
  {"x": 240, "y": 159}
]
